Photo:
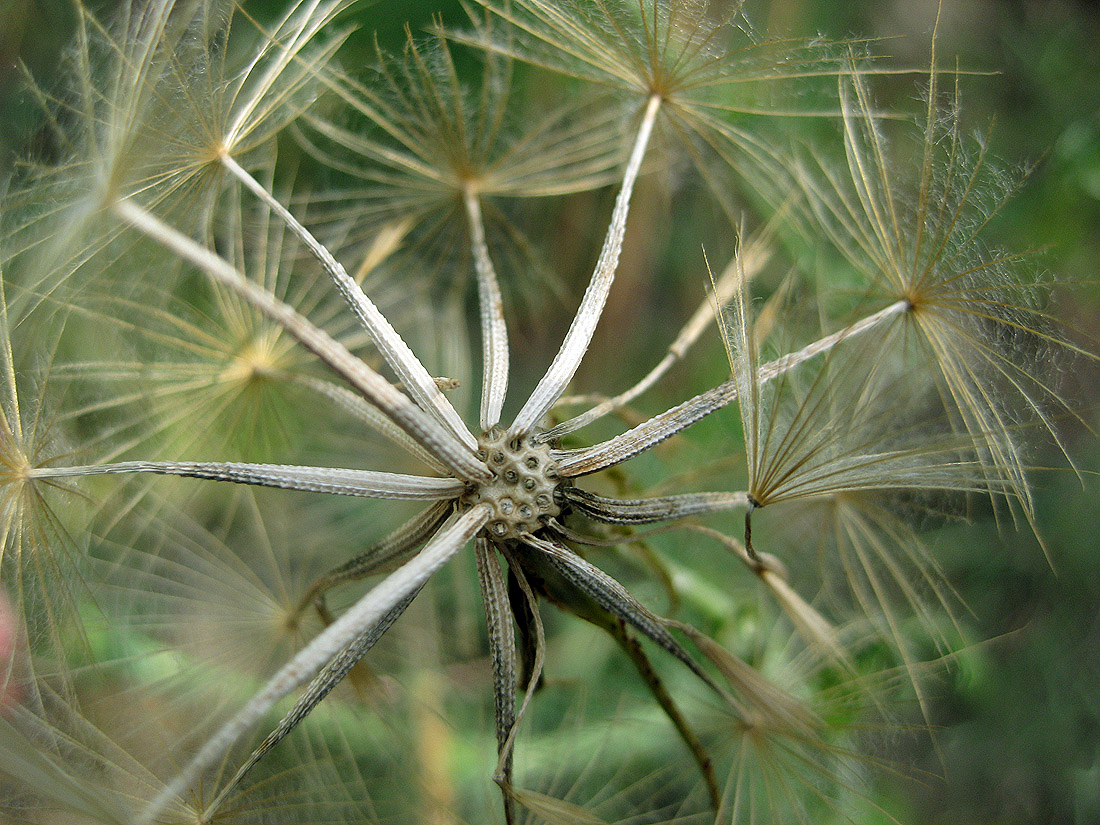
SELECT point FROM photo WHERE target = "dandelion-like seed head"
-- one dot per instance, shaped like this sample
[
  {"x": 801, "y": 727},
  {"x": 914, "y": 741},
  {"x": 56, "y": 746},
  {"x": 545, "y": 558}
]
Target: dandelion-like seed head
[
  {"x": 975, "y": 313},
  {"x": 255, "y": 361},
  {"x": 210, "y": 320},
  {"x": 14, "y": 464},
  {"x": 653, "y": 49}
]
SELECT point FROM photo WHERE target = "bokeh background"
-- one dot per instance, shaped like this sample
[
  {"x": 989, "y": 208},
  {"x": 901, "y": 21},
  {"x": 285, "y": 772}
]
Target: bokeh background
[{"x": 1017, "y": 717}]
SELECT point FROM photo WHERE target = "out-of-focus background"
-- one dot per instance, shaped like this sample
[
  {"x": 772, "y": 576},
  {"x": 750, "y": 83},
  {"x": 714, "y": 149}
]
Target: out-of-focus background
[
  {"x": 1020, "y": 716},
  {"x": 1017, "y": 716}
]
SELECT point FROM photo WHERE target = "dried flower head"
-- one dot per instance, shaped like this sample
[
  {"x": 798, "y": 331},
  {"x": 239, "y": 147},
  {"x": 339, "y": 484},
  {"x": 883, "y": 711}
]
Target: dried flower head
[{"x": 208, "y": 328}]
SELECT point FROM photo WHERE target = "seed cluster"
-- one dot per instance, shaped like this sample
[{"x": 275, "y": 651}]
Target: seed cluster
[{"x": 524, "y": 488}]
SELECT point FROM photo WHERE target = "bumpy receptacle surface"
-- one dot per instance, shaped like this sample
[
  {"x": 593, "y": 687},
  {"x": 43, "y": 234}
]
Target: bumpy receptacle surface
[{"x": 523, "y": 490}]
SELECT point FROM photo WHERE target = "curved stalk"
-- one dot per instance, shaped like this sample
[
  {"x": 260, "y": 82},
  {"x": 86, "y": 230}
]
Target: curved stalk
[
  {"x": 502, "y": 651},
  {"x": 568, "y": 359},
  {"x": 382, "y": 556},
  {"x": 494, "y": 331}
]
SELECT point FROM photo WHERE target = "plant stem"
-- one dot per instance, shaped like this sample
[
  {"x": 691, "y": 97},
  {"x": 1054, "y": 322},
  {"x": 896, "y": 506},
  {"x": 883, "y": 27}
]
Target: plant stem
[
  {"x": 494, "y": 331},
  {"x": 424, "y": 429},
  {"x": 332, "y": 480},
  {"x": 397, "y": 353},
  {"x": 568, "y": 359}
]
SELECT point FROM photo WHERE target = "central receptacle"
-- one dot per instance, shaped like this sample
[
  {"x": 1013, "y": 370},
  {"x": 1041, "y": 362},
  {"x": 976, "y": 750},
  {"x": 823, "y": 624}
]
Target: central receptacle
[{"x": 523, "y": 491}]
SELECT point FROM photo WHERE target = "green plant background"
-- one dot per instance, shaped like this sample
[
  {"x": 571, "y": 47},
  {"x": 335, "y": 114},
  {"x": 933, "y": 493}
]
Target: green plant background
[{"x": 1017, "y": 716}]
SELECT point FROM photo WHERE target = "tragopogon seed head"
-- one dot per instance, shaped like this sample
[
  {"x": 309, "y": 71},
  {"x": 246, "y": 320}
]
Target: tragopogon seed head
[
  {"x": 180, "y": 299},
  {"x": 525, "y": 490}
]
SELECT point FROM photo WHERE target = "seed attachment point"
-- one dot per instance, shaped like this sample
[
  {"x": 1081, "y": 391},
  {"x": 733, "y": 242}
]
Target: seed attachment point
[{"x": 523, "y": 491}]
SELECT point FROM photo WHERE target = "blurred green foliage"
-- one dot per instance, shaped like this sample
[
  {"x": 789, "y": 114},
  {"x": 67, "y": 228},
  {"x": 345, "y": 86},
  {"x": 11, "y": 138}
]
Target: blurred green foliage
[{"x": 1018, "y": 716}]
